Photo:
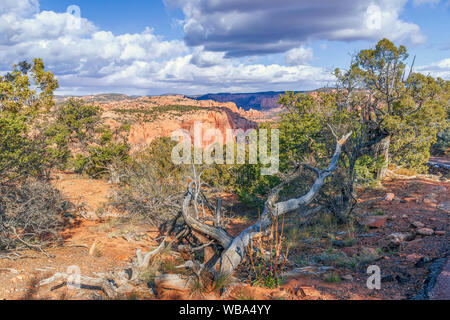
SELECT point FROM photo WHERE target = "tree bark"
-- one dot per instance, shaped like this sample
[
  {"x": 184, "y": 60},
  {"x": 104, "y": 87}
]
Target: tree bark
[{"x": 382, "y": 149}]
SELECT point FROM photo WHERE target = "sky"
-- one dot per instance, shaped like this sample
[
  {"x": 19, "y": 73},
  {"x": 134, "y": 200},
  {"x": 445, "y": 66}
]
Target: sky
[{"x": 144, "y": 47}]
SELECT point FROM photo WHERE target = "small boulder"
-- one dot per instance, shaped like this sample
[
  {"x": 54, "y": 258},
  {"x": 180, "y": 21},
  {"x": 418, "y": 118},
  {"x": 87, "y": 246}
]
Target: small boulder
[
  {"x": 389, "y": 197},
  {"x": 440, "y": 233},
  {"x": 397, "y": 238},
  {"x": 279, "y": 295},
  {"x": 421, "y": 263},
  {"x": 374, "y": 221},
  {"x": 338, "y": 243},
  {"x": 309, "y": 292},
  {"x": 347, "y": 277},
  {"x": 369, "y": 251},
  {"x": 350, "y": 251},
  {"x": 410, "y": 199},
  {"x": 418, "y": 224},
  {"x": 444, "y": 206},
  {"x": 425, "y": 231},
  {"x": 430, "y": 198},
  {"x": 414, "y": 258}
]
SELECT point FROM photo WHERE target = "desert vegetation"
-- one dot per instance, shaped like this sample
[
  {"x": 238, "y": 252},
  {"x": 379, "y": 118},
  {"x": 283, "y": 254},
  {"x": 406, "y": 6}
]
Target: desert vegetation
[{"x": 381, "y": 120}]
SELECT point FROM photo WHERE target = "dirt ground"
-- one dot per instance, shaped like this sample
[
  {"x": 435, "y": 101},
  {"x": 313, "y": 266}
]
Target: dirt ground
[{"x": 103, "y": 245}]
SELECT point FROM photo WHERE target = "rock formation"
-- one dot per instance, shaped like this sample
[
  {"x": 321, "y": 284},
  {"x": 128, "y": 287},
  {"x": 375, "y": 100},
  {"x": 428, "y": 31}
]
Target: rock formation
[{"x": 153, "y": 117}]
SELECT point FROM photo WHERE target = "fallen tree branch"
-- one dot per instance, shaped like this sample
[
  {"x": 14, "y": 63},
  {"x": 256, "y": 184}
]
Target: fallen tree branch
[
  {"x": 392, "y": 174},
  {"x": 235, "y": 252},
  {"x": 85, "y": 282},
  {"x": 142, "y": 261},
  {"x": 29, "y": 245},
  {"x": 216, "y": 233},
  {"x": 235, "y": 248},
  {"x": 15, "y": 256}
]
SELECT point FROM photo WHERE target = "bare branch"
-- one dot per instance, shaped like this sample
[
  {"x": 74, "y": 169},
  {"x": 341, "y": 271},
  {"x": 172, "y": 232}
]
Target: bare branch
[
  {"x": 234, "y": 254},
  {"x": 218, "y": 234}
]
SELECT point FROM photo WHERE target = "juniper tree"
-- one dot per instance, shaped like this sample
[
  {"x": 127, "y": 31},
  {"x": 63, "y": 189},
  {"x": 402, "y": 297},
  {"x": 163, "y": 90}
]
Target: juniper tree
[
  {"x": 25, "y": 93},
  {"x": 404, "y": 110}
]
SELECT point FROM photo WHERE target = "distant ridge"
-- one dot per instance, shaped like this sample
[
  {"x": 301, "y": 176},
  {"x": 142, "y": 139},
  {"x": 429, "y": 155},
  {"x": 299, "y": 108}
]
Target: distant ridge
[
  {"x": 257, "y": 100},
  {"x": 261, "y": 101}
]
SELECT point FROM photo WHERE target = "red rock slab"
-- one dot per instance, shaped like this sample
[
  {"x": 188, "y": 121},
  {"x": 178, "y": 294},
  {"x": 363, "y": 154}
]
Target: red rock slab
[{"x": 441, "y": 290}]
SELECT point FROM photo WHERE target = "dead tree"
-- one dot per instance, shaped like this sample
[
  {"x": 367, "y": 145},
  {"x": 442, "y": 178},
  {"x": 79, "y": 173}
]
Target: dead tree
[{"x": 234, "y": 248}]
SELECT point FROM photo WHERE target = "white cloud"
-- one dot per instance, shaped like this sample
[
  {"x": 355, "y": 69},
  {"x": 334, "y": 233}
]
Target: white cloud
[
  {"x": 299, "y": 56},
  {"x": 206, "y": 59},
  {"x": 89, "y": 60},
  {"x": 437, "y": 69},
  {"x": 19, "y": 7},
  {"x": 242, "y": 28}
]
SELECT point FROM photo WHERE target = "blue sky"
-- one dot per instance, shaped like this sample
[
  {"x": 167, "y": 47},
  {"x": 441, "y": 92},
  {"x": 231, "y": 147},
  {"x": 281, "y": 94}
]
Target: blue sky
[
  {"x": 131, "y": 16},
  {"x": 200, "y": 46}
]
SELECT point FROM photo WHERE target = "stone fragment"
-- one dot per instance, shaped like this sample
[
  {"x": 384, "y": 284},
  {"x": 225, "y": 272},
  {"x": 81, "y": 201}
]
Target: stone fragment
[
  {"x": 374, "y": 221},
  {"x": 418, "y": 224},
  {"x": 398, "y": 237},
  {"x": 425, "y": 231}
]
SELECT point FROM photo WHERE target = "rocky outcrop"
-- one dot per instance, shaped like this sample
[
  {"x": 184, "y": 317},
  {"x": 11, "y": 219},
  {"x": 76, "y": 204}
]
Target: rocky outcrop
[
  {"x": 143, "y": 133},
  {"x": 159, "y": 116}
]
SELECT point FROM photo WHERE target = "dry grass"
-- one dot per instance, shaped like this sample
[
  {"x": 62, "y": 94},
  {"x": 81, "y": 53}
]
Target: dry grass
[{"x": 268, "y": 255}]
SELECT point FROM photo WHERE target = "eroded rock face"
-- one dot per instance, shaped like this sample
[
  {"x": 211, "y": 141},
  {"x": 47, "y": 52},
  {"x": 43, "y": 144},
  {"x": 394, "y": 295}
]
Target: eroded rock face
[
  {"x": 144, "y": 129},
  {"x": 143, "y": 133}
]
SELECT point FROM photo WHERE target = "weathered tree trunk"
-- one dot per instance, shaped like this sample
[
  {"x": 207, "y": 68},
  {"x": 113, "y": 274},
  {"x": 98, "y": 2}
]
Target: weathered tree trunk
[
  {"x": 235, "y": 249},
  {"x": 382, "y": 149}
]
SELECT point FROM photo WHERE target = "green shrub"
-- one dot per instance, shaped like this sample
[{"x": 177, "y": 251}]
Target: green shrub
[
  {"x": 96, "y": 163},
  {"x": 150, "y": 185},
  {"x": 333, "y": 278},
  {"x": 20, "y": 156},
  {"x": 23, "y": 149},
  {"x": 78, "y": 127},
  {"x": 442, "y": 145},
  {"x": 366, "y": 168}
]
